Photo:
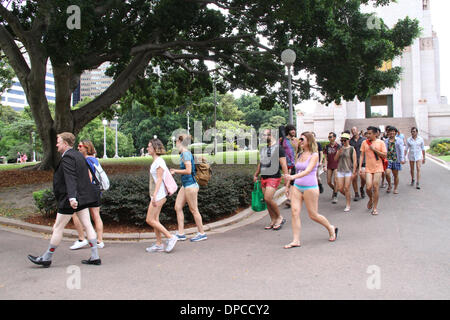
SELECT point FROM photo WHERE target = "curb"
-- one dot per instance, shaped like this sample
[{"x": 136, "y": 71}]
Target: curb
[
  {"x": 437, "y": 159},
  {"x": 244, "y": 217}
]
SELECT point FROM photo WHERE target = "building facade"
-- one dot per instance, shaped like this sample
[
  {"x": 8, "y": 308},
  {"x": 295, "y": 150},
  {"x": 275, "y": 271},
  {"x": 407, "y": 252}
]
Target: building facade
[
  {"x": 15, "y": 96},
  {"x": 92, "y": 83},
  {"x": 415, "y": 101}
]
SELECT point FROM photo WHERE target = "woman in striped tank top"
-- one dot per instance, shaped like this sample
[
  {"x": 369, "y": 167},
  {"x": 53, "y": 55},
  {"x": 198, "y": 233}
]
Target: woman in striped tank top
[{"x": 306, "y": 189}]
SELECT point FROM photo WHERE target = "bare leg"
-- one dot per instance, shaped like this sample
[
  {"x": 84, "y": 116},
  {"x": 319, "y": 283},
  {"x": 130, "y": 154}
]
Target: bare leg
[
  {"x": 179, "y": 204},
  {"x": 311, "y": 199},
  {"x": 192, "y": 200}
]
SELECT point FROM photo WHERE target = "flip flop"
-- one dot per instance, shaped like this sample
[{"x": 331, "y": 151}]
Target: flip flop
[
  {"x": 290, "y": 246},
  {"x": 335, "y": 235},
  {"x": 374, "y": 212},
  {"x": 278, "y": 226},
  {"x": 268, "y": 227}
]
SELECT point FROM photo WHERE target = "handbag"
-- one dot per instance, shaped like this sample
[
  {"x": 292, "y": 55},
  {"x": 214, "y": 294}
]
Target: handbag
[
  {"x": 169, "y": 183},
  {"x": 258, "y": 203}
]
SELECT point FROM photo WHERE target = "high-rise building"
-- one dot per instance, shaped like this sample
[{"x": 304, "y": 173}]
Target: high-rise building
[
  {"x": 15, "y": 96},
  {"x": 92, "y": 83}
]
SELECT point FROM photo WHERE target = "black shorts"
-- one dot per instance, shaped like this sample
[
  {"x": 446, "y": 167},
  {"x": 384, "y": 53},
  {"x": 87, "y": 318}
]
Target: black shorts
[{"x": 71, "y": 211}]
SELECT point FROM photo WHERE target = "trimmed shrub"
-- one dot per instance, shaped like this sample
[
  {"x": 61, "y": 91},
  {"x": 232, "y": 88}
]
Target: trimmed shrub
[
  {"x": 45, "y": 201},
  {"x": 128, "y": 198},
  {"x": 435, "y": 142}
]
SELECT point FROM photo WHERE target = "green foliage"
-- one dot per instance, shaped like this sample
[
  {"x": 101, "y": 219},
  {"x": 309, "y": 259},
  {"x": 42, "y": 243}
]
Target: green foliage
[
  {"x": 442, "y": 149},
  {"x": 45, "y": 201},
  {"x": 437, "y": 141},
  {"x": 127, "y": 199}
]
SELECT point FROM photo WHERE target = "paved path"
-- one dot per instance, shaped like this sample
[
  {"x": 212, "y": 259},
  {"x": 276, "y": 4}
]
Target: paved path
[{"x": 401, "y": 254}]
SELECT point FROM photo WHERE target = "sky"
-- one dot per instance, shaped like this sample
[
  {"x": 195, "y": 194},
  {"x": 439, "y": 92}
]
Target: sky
[{"x": 440, "y": 10}]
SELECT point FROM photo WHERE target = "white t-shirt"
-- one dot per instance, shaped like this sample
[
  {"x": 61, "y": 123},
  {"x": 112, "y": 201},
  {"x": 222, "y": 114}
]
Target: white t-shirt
[{"x": 159, "y": 162}]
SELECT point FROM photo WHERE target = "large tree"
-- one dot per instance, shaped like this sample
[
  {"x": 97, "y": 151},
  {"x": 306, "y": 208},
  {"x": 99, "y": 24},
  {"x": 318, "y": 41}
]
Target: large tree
[{"x": 243, "y": 39}]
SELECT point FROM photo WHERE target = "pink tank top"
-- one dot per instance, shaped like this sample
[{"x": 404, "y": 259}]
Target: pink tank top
[{"x": 309, "y": 180}]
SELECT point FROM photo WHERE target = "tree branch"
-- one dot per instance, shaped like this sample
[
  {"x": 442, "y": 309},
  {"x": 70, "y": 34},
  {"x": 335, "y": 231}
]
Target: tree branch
[{"x": 118, "y": 88}]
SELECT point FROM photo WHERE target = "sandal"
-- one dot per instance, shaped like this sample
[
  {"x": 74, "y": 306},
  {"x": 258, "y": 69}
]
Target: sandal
[
  {"x": 278, "y": 226},
  {"x": 375, "y": 212},
  {"x": 335, "y": 235},
  {"x": 369, "y": 204},
  {"x": 292, "y": 245},
  {"x": 269, "y": 227}
]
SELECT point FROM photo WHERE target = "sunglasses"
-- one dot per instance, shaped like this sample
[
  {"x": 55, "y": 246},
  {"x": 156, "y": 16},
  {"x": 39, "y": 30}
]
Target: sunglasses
[
  {"x": 330, "y": 137},
  {"x": 344, "y": 139},
  {"x": 81, "y": 146},
  {"x": 301, "y": 139}
]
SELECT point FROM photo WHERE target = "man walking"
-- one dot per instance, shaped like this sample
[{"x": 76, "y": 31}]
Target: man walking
[
  {"x": 416, "y": 148},
  {"x": 374, "y": 150},
  {"x": 290, "y": 146},
  {"x": 74, "y": 193},
  {"x": 272, "y": 159},
  {"x": 356, "y": 142},
  {"x": 395, "y": 156},
  {"x": 331, "y": 164}
]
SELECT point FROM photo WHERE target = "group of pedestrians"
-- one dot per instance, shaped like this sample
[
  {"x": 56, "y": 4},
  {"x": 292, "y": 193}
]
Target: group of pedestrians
[
  {"x": 78, "y": 194},
  {"x": 358, "y": 155}
]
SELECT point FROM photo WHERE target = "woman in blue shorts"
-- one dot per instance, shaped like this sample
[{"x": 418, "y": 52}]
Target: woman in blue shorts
[{"x": 188, "y": 192}]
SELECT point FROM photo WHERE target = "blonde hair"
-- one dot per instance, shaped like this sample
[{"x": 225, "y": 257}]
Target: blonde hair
[
  {"x": 312, "y": 144},
  {"x": 185, "y": 139},
  {"x": 68, "y": 137}
]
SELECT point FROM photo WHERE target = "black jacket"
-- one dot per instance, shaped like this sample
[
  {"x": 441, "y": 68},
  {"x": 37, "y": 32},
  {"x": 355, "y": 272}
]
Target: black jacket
[{"x": 71, "y": 180}]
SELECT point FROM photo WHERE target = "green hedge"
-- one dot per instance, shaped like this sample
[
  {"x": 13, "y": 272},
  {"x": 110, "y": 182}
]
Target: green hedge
[
  {"x": 128, "y": 198},
  {"x": 435, "y": 142}
]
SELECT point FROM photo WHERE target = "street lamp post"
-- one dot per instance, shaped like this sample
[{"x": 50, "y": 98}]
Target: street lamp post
[
  {"x": 33, "y": 136},
  {"x": 188, "y": 128},
  {"x": 215, "y": 119},
  {"x": 116, "y": 123},
  {"x": 105, "y": 123},
  {"x": 288, "y": 58}
]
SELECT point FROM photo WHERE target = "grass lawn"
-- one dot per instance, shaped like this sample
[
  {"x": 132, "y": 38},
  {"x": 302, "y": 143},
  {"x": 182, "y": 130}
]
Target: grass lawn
[{"x": 445, "y": 158}]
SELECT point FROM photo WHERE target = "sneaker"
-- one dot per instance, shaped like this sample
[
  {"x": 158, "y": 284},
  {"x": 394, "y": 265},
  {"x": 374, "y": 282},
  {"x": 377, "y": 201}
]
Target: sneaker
[
  {"x": 199, "y": 237},
  {"x": 100, "y": 245},
  {"x": 155, "y": 248},
  {"x": 347, "y": 209},
  {"x": 181, "y": 237},
  {"x": 335, "y": 200},
  {"x": 356, "y": 198},
  {"x": 79, "y": 244},
  {"x": 170, "y": 244}
]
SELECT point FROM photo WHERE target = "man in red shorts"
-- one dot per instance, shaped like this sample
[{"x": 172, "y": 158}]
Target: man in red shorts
[{"x": 272, "y": 159}]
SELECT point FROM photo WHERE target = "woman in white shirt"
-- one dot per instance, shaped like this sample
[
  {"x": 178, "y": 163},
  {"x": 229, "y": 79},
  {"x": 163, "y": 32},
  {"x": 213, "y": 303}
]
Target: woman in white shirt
[
  {"x": 416, "y": 148},
  {"x": 158, "y": 195}
]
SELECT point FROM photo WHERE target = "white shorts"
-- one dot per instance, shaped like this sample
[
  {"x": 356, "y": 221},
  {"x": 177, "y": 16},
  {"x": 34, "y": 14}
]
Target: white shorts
[{"x": 341, "y": 174}]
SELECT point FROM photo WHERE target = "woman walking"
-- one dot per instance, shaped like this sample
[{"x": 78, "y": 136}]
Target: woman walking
[
  {"x": 86, "y": 148},
  {"x": 346, "y": 157},
  {"x": 188, "y": 192},
  {"x": 158, "y": 195},
  {"x": 306, "y": 190}
]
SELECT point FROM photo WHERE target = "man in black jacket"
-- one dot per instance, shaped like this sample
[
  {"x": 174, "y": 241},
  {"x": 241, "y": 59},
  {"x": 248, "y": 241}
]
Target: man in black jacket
[{"x": 74, "y": 193}]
